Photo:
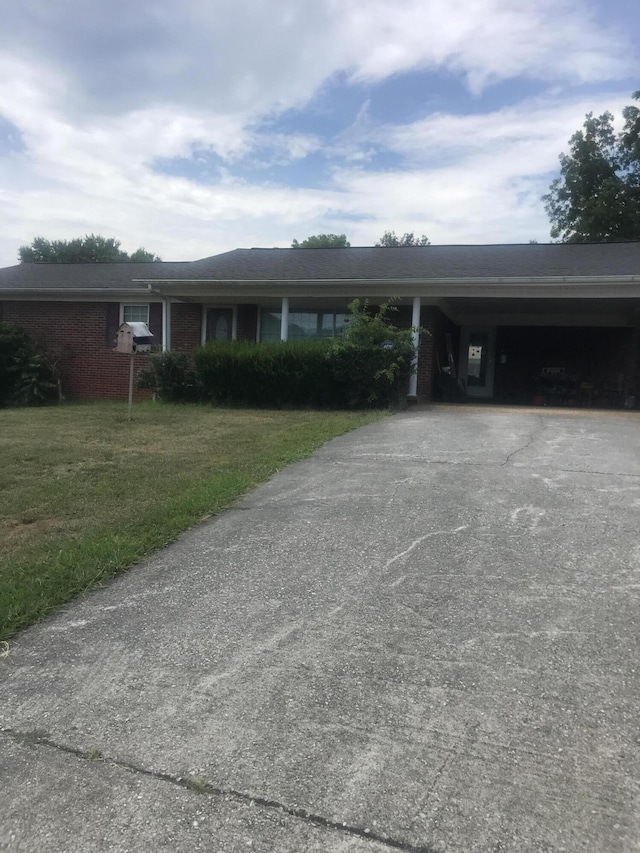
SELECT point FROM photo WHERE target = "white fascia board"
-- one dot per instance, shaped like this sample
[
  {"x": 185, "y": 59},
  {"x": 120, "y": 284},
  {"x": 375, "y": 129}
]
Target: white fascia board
[{"x": 555, "y": 287}]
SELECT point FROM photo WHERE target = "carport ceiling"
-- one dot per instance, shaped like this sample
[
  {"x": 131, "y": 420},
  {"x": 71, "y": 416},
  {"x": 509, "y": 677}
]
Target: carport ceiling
[{"x": 487, "y": 311}]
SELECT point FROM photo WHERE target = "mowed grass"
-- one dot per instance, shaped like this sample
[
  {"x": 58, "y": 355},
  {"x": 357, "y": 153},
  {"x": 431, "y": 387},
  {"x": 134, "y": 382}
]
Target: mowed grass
[{"x": 85, "y": 494}]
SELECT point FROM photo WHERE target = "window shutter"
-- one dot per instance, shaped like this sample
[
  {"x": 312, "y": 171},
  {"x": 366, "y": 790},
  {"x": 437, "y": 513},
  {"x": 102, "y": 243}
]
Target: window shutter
[
  {"x": 113, "y": 322},
  {"x": 155, "y": 322}
]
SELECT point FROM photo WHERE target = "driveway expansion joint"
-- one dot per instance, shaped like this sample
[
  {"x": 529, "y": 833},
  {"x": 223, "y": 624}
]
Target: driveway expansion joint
[{"x": 36, "y": 738}]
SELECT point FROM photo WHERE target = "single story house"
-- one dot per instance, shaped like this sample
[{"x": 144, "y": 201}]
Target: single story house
[{"x": 545, "y": 323}]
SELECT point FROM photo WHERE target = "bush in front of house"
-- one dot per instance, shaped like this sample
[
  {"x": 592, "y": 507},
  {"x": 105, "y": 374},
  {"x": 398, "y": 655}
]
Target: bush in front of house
[
  {"x": 279, "y": 374},
  {"x": 171, "y": 376},
  {"x": 367, "y": 365},
  {"x": 27, "y": 371},
  {"x": 371, "y": 360}
]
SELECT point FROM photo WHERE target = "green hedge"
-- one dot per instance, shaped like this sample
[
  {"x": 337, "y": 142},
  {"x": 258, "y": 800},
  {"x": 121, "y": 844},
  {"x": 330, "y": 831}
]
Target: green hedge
[
  {"x": 367, "y": 365},
  {"x": 274, "y": 375}
]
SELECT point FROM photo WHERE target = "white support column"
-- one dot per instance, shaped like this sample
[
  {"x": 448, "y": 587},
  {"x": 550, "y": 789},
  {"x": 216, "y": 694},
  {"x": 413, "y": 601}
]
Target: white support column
[
  {"x": 166, "y": 323},
  {"x": 284, "y": 319},
  {"x": 415, "y": 322},
  {"x": 203, "y": 325},
  {"x": 234, "y": 324}
]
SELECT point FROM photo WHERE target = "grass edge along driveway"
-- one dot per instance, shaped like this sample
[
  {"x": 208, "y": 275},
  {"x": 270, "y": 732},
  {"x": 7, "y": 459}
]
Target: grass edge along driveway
[{"x": 86, "y": 494}]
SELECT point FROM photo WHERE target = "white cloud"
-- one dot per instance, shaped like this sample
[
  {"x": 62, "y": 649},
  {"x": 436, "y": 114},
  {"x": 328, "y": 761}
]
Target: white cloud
[
  {"x": 485, "y": 40},
  {"x": 249, "y": 58}
]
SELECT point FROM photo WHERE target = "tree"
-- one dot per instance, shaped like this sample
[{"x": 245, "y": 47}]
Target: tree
[
  {"x": 323, "y": 241},
  {"x": 90, "y": 249},
  {"x": 390, "y": 240},
  {"x": 597, "y": 196}
]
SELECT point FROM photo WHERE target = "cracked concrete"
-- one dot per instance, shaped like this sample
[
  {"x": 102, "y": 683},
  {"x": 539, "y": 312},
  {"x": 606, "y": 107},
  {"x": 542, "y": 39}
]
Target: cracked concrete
[{"x": 424, "y": 638}]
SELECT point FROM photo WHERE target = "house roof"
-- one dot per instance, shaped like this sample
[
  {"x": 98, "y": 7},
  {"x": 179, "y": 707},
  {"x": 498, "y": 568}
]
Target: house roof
[
  {"x": 469, "y": 266},
  {"x": 108, "y": 277},
  {"x": 422, "y": 263}
]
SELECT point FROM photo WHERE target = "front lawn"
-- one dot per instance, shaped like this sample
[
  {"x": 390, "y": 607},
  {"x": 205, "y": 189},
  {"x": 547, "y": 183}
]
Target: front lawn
[{"x": 85, "y": 494}]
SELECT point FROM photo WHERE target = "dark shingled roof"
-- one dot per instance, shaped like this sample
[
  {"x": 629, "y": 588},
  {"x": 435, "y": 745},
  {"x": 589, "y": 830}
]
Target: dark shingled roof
[
  {"x": 429, "y": 262},
  {"x": 81, "y": 277},
  {"x": 421, "y": 263}
]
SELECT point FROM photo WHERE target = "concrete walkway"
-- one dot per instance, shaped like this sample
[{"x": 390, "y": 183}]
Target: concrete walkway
[{"x": 424, "y": 638}]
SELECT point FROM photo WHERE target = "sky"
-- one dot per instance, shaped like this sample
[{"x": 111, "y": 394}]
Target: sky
[{"x": 200, "y": 127}]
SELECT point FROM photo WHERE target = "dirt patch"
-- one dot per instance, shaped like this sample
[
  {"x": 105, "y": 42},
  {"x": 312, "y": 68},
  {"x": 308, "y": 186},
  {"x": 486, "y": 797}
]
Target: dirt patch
[{"x": 17, "y": 529}]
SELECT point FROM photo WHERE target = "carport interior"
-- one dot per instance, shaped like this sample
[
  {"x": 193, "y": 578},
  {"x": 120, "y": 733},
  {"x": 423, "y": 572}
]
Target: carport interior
[
  {"x": 564, "y": 365},
  {"x": 544, "y": 351}
]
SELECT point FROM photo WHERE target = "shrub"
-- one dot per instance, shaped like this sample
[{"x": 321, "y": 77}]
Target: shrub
[
  {"x": 371, "y": 360},
  {"x": 27, "y": 372},
  {"x": 172, "y": 376}
]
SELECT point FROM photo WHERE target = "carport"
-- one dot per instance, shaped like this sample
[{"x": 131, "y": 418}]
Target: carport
[{"x": 580, "y": 351}]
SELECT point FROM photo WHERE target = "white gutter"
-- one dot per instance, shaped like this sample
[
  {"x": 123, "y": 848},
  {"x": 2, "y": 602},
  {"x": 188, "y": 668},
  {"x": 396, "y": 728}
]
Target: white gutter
[{"x": 566, "y": 279}]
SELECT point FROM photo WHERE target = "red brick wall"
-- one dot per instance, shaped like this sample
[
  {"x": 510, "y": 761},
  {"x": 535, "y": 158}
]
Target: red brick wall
[
  {"x": 76, "y": 333},
  {"x": 433, "y": 349},
  {"x": 186, "y": 325}
]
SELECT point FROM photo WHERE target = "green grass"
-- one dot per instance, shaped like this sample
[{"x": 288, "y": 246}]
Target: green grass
[{"x": 85, "y": 494}]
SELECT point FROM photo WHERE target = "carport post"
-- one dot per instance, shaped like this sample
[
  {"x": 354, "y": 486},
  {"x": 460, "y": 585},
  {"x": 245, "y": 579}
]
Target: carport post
[
  {"x": 415, "y": 323},
  {"x": 284, "y": 319}
]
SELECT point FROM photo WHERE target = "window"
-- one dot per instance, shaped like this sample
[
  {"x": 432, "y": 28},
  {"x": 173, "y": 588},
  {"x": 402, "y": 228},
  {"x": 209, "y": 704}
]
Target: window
[
  {"x": 303, "y": 325},
  {"x": 135, "y": 313}
]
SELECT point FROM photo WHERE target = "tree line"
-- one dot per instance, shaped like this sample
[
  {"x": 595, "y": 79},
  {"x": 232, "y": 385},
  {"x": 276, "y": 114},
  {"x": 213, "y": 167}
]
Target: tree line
[
  {"x": 95, "y": 249},
  {"x": 339, "y": 241},
  {"x": 90, "y": 249}
]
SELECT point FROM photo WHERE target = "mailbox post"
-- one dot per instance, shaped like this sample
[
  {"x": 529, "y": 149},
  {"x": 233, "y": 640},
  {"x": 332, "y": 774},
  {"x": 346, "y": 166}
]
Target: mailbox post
[{"x": 133, "y": 338}]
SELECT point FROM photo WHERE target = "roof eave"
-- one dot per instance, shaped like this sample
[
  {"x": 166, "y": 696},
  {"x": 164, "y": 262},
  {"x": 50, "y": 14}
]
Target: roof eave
[
  {"x": 74, "y": 293},
  {"x": 556, "y": 286}
]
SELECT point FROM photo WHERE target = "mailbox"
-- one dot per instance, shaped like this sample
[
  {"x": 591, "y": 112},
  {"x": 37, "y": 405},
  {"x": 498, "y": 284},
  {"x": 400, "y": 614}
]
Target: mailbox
[{"x": 133, "y": 338}]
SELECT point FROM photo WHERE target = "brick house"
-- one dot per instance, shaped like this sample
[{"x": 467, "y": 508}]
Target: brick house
[{"x": 515, "y": 323}]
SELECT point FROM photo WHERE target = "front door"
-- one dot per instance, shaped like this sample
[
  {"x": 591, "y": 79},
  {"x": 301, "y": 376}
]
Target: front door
[
  {"x": 477, "y": 357},
  {"x": 219, "y": 324}
]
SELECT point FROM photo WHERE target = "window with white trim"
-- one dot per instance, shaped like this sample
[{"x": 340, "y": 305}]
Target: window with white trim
[
  {"x": 138, "y": 313},
  {"x": 303, "y": 325}
]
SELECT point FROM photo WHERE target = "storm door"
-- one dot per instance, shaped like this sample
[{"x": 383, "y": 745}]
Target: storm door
[
  {"x": 219, "y": 324},
  {"x": 477, "y": 360}
]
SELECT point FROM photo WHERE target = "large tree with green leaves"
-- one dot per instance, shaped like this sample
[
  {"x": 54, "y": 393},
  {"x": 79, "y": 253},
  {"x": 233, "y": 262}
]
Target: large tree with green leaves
[
  {"x": 90, "y": 249},
  {"x": 323, "y": 241},
  {"x": 390, "y": 240},
  {"x": 597, "y": 196}
]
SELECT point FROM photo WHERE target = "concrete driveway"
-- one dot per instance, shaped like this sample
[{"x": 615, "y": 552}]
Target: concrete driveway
[{"x": 424, "y": 638}]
